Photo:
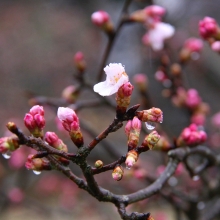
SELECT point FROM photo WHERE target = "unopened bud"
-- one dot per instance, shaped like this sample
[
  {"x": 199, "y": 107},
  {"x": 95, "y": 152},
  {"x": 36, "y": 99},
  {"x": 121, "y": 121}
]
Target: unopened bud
[
  {"x": 52, "y": 139},
  {"x": 141, "y": 81},
  {"x": 192, "y": 98},
  {"x": 70, "y": 94},
  {"x": 134, "y": 133},
  {"x": 151, "y": 140},
  {"x": 8, "y": 144},
  {"x": 34, "y": 120},
  {"x": 98, "y": 164},
  {"x": 208, "y": 27},
  {"x": 70, "y": 122},
  {"x": 117, "y": 173},
  {"x": 175, "y": 69},
  {"x": 37, "y": 164},
  {"x": 128, "y": 127},
  {"x": 191, "y": 136},
  {"x": 216, "y": 46},
  {"x": 79, "y": 61},
  {"x": 150, "y": 115},
  {"x": 123, "y": 98},
  {"x": 131, "y": 158},
  {"x": 102, "y": 19}
]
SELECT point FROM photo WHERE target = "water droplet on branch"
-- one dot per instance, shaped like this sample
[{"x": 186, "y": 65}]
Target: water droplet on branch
[
  {"x": 196, "y": 178},
  {"x": 150, "y": 125},
  {"x": 36, "y": 172},
  {"x": 7, "y": 155}
]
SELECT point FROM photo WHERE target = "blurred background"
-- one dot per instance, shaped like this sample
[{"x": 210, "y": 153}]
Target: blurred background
[{"x": 38, "y": 40}]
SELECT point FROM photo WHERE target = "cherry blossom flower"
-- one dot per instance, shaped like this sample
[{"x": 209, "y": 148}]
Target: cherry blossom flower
[
  {"x": 115, "y": 78},
  {"x": 156, "y": 35}
]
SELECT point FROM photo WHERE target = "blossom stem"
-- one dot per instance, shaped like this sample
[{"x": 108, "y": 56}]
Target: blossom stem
[{"x": 112, "y": 37}]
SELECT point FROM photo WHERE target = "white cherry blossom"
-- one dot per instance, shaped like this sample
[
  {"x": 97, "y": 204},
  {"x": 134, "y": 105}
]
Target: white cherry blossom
[
  {"x": 156, "y": 35},
  {"x": 115, "y": 78}
]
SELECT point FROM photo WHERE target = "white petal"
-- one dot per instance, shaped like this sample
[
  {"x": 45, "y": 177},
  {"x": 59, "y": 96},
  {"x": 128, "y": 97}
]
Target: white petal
[
  {"x": 103, "y": 89},
  {"x": 114, "y": 68},
  {"x": 159, "y": 33}
]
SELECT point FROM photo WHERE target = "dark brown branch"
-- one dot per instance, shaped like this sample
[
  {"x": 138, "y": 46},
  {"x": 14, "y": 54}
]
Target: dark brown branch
[{"x": 110, "y": 166}]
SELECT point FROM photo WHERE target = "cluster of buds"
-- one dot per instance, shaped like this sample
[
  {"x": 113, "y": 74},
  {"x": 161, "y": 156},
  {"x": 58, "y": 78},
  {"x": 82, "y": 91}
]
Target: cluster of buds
[
  {"x": 157, "y": 31},
  {"x": 210, "y": 31},
  {"x": 123, "y": 97},
  {"x": 150, "y": 115},
  {"x": 52, "y": 139},
  {"x": 191, "y": 100},
  {"x": 118, "y": 173},
  {"x": 191, "y": 136},
  {"x": 132, "y": 130},
  {"x": 102, "y": 20},
  {"x": 191, "y": 46},
  {"x": 70, "y": 122},
  {"x": 37, "y": 164},
  {"x": 34, "y": 121},
  {"x": 150, "y": 141},
  {"x": 79, "y": 61},
  {"x": 8, "y": 144}
]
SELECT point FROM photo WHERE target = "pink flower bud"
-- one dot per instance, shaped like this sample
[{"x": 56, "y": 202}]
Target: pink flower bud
[
  {"x": 128, "y": 127},
  {"x": 123, "y": 98},
  {"x": 37, "y": 164},
  {"x": 16, "y": 195},
  {"x": 155, "y": 12},
  {"x": 216, "y": 120},
  {"x": 117, "y": 173},
  {"x": 193, "y": 99},
  {"x": 68, "y": 118},
  {"x": 151, "y": 140},
  {"x": 100, "y": 18},
  {"x": 131, "y": 158},
  {"x": 193, "y": 44},
  {"x": 160, "y": 76},
  {"x": 79, "y": 61},
  {"x": 136, "y": 124},
  {"x": 133, "y": 133},
  {"x": 198, "y": 119},
  {"x": 191, "y": 136},
  {"x": 216, "y": 46},
  {"x": 208, "y": 27},
  {"x": 34, "y": 120},
  {"x": 150, "y": 115},
  {"x": 8, "y": 144},
  {"x": 52, "y": 139},
  {"x": 70, "y": 122},
  {"x": 37, "y": 110},
  {"x": 141, "y": 81}
]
